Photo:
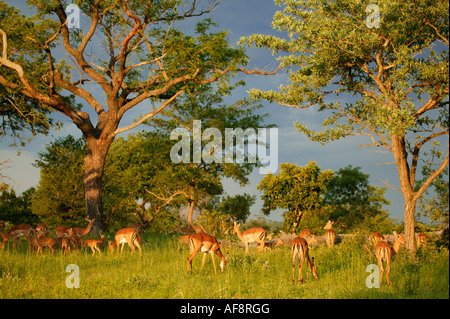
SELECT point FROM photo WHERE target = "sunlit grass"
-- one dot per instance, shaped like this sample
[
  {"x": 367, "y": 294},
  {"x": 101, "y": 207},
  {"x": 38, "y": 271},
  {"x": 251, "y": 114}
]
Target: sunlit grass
[{"x": 162, "y": 273}]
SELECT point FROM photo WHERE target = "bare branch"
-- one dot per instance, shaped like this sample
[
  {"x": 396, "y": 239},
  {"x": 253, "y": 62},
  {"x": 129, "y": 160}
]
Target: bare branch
[
  {"x": 149, "y": 115},
  {"x": 387, "y": 184}
]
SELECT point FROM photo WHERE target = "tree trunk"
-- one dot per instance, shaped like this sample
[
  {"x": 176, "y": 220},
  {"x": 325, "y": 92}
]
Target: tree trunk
[
  {"x": 408, "y": 218},
  {"x": 94, "y": 167},
  {"x": 190, "y": 215},
  {"x": 406, "y": 184}
]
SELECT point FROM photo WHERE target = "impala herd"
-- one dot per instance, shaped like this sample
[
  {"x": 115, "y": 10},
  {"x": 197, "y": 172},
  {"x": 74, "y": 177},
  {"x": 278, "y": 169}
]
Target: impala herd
[{"x": 67, "y": 237}]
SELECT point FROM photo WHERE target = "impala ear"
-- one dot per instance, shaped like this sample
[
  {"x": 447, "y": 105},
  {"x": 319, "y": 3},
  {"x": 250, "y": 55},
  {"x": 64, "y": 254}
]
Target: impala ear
[{"x": 395, "y": 233}]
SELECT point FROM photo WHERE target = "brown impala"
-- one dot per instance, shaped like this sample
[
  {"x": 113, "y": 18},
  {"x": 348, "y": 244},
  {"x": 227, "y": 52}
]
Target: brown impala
[
  {"x": 206, "y": 244},
  {"x": 251, "y": 235}
]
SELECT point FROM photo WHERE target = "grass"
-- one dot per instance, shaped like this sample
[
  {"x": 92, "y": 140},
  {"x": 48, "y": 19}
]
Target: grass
[{"x": 161, "y": 273}]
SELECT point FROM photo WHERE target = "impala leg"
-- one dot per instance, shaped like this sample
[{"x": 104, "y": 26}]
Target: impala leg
[
  {"x": 388, "y": 271},
  {"x": 136, "y": 242},
  {"x": 293, "y": 268},
  {"x": 191, "y": 256},
  {"x": 214, "y": 262},
  {"x": 380, "y": 265},
  {"x": 131, "y": 246},
  {"x": 203, "y": 261},
  {"x": 300, "y": 268},
  {"x": 294, "y": 255}
]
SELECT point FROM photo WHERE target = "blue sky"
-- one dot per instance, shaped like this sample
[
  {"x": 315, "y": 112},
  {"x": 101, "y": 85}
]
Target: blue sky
[{"x": 243, "y": 18}]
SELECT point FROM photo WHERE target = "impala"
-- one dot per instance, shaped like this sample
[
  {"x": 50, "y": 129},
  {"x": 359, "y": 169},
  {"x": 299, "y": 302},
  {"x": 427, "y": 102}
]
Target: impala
[
  {"x": 81, "y": 232},
  {"x": 421, "y": 240},
  {"x": 22, "y": 230},
  {"x": 44, "y": 242},
  {"x": 375, "y": 238},
  {"x": 251, "y": 235},
  {"x": 384, "y": 252},
  {"x": 305, "y": 233},
  {"x": 206, "y": 244},
  {"x": 300, "y": 248},
  {"x": 330, "y": 234},
  {"x": 94, "y": 244},
  {"x": 126, "y": 236},
  {"x": 41, "y": 231},
  {"x": 65, "y": 241},
  {"x": 63, "y": 231}
]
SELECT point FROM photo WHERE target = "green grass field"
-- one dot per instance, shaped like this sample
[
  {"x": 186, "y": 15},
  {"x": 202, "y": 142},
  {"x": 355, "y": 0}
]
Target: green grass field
[{"x": 162, "y": 273}]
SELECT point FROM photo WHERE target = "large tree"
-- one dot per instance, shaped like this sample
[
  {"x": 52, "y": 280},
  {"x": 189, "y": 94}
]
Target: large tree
[
  {"x": 130, "y": 52},
  {"x": 379, "y": 70}
]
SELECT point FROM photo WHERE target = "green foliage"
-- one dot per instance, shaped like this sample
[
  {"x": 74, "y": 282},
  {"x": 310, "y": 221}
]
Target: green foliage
[
  {"x": 294, "y": 189},
  {"x": 237, "y": 207},
  {"x": 434, "y": 204},
  {"x": 21, "y": 115},
  {"x": 59, "y": 197},
  {"x": 352, "y": 201},
  {"x": 17, "y": 209}
]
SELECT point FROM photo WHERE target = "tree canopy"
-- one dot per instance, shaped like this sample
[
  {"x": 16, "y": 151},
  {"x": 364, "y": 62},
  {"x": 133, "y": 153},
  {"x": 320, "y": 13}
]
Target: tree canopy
[
  {"x": 386, "y": 80},
  {"x": 126, "y": 54}
]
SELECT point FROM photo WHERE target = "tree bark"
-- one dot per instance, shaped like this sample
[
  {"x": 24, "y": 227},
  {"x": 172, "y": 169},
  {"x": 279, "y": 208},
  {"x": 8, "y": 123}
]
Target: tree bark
[
  {"x": 409, "y": 222},
  {"x": 190, "y": 214},
  {"x": 93, "y": 174},
  {"x": 407, "y": 190}
]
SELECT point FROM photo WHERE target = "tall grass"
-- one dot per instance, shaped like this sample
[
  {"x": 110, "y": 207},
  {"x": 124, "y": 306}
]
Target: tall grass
[{"x": 162, "y": 273}]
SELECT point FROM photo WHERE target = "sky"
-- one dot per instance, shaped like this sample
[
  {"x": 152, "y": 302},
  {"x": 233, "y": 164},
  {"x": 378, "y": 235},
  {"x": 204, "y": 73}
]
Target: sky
[{"x": 243, "y": 18}]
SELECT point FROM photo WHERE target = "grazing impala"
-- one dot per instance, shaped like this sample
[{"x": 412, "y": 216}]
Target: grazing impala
[
  {"x": 94, "y": 244},
  {"x": 126, "y": 236},
  {"x": 206, "y": 244},
  {"x": 22, "y": 230},
  {"x": 251, "y": 235},
  {"x": 330, "y": 234},
  {"x": 300, "y": 249},
  {"x": 384, "y": 252}
]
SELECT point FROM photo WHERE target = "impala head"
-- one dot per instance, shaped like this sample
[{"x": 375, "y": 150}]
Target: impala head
[
  {"x": 111, "y": 246},
  {"x": 223, "y": 262},
  {"x": 236, "y": 227},
  {"x": 90, "y": 221},
  {"x": 314, "y": 268},
  {"x": 399, "y": 238},
  {"x": 329, "y": 225}
]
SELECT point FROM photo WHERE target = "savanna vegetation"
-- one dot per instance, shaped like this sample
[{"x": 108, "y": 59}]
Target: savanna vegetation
[
  {"x": 161, "y": 273},
  {"x": 388, "y": 83}
]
